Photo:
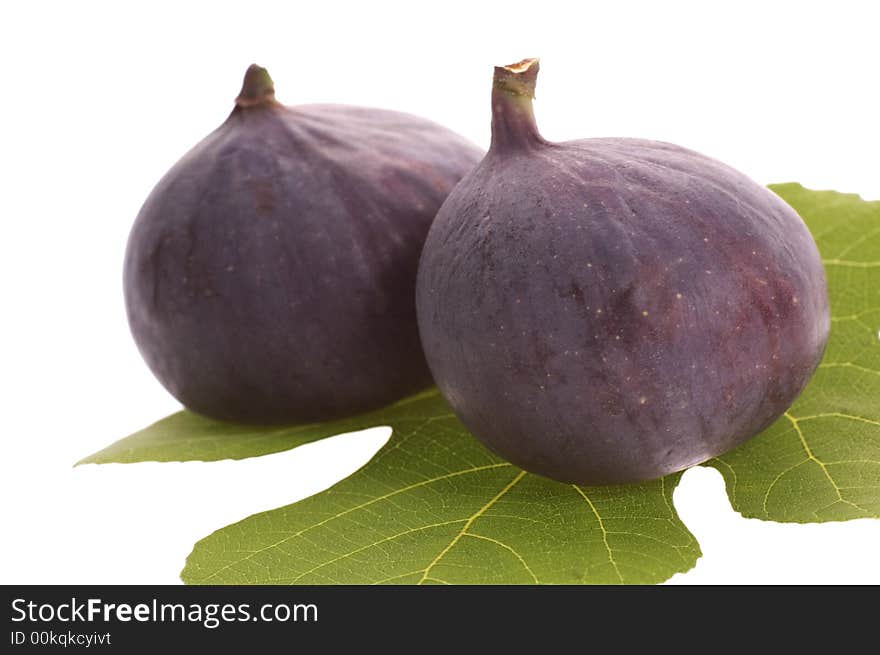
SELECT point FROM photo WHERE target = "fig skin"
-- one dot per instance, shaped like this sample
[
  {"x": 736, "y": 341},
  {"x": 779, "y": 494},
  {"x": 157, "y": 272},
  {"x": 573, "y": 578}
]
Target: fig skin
[
  {"x": 270, "y": 275},
  {"x": 614, "y": 310}
]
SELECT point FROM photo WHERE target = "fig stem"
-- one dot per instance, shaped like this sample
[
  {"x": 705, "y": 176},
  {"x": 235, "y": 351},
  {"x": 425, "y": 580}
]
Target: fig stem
[
  {"x": 513, "y": 118},
  {"x": 257, "y": 88}
]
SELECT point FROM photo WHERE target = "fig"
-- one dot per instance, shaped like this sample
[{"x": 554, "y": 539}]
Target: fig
[
  {"x": 612, "y": 310},
  {"x": 270, "y": 275}
]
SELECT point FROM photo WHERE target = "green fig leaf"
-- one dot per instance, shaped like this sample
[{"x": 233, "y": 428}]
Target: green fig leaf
[
  {"x": 821, "y": 460},
  {"x": 187, "y": 436},
  {"x": 434, "y": 506}
]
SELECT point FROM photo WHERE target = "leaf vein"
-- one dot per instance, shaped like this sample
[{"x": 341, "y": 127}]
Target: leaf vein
[
  {"x": 507, "y": 547},
  {"x": 601, "y": 524},
  {"x": 470, "y": 522}
]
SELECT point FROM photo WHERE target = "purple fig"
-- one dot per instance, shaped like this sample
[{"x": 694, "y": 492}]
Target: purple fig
[
  {"x": 270, "y": 275},
  {"x": 613, "y": 310}
]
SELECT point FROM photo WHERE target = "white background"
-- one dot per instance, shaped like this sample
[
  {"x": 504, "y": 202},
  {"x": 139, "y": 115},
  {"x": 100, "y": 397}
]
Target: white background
[{"x": 98, "y": 100}]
